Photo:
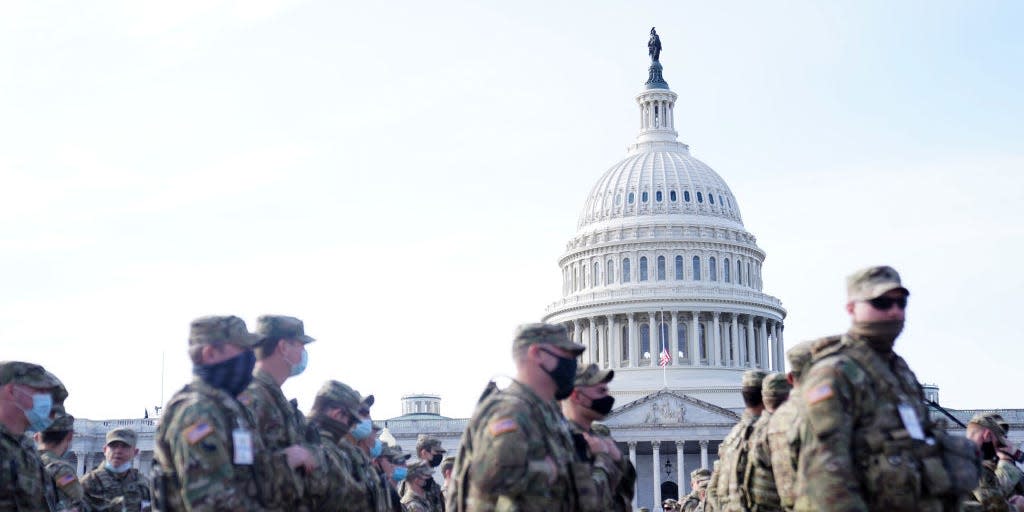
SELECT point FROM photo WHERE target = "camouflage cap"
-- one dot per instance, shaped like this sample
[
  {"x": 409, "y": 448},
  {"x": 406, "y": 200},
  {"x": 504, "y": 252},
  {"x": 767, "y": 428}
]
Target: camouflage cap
[
  {"x": 124, "y": 435},
  {"x": 395, "y": 455},
  {"x": 872, "y": 282},
  {"x": 419, "y": 469},
  {"x": 280, "y": 326},
  {"x": 669, "y": 503},
  {"x": 221, "y": 330},
  {"x": 547, "y": 334},
  {"x": 31, "y": 375},
  {"x": 700, "y": 473},
  {"x": 427, "y": 442},
  {"x": 987, "y": 421},
  {"x": 1003, "y": 424},
  {"x": 342, "y": 394},
  {"x": 753, "y": 378},
  {"x": 447, "y": 463},
  {"x": 775, "y": 386},
  {"x": 799, "y": 357},
  {"x": 62, "y": 421},
  {"x": 592, "y": 375}
]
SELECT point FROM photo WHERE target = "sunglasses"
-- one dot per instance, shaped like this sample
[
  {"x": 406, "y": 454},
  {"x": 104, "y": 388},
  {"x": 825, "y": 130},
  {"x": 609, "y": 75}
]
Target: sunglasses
[{"x": 883, "y": 303}]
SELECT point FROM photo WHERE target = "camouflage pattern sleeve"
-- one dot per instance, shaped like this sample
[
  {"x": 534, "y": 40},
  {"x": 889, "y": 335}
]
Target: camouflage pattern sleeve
[
  {"x": 69, "y": 488},
  {"x": 988, "y": 494},
  {"x": 501, "y": 463},
  {"x": 825, "y": 477},
  {"x": 1009, "y": 476},
  {"x": 782, "y": 448},
  {"x": 92, "y": 489}
]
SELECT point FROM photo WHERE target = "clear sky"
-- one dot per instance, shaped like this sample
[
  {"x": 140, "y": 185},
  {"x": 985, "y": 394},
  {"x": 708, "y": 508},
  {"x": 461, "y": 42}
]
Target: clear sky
[{"x": 404, "y": 175}]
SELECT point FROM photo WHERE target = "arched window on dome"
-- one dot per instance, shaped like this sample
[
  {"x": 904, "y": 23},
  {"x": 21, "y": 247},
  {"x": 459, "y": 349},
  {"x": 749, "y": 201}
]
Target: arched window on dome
[
  {"x": 643, "y": 196},
  {"x": 657, "y": 196},
  {"x": 725, "y": 270},
  {"x": 684, "y": 346},
  {"x": 645, "y": 341},
  {"x": 696, "y": 268},
  {"x": 609, "y": 273},
  {"x": 624, "y": 350},
  {"x": 672, "y": 196},
  {"x": 595, "y": 280},
  {"x": 739, "y": 272},
  {"x": 625, "y": 270},
  {"x": 643, "y": 268},
  {"x": 700, "y": 197},
  {"x": 686, "y": 196},
  {"x": 661, "y": 268},
  {"x": 631, "y": 197},
  {"x": 679, "y": 268},
  {"x": 618, "y": 199},
  {"x": 711, "y": 198},
  {"x": 712, "y": 269}
]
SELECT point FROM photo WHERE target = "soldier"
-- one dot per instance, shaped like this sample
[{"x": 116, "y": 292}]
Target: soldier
[
  {"x": 27, "y": 396},
  {"x": 116, "y": 485},
  {"x": 393, "y": 472},
  {"x": 208, "y": 458},
  {"x": 1011, "y": 479},
  {"x": 986, "y": 434},
  {"x": 783, "y": 445},
  {"x": 733, "y": 451},
  {"x": 335, "y": 411},
  {"x": 446, "y": 471},
  {"x": 702, "y": 491},
  {"x": 690, "y": 502},
  {"x": 415, "y": 497},
  {"x": 362, "y": 446},
  {"x": 670, "y": 505},
  {"x": 517, "y": 452},
  {"x": 868, "y": 441},
  {"x": 711, "y": 502},
  {"x": 759, "y": 488},
  {"x": 429, "y": 450},
  {"x": 612, "y": 474},
  {"x": 53, "y": 443},
  {"x": 280, "y": 355}
]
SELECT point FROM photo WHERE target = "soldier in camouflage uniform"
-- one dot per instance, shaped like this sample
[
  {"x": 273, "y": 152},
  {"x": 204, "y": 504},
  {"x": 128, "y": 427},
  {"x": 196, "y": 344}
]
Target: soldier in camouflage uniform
[
  {"x": 446, "y": 471},
  {"x": 207, "y": 455},
  {"x": 27, "y": 397},
  {"x": 1011, "y": 478},
  {"x": 358, "y": 445},
  {"x": 116, "y": 486},
  {"x": 414, "y": 499},
  {"x": 759, "y": 489},
  {"x": 393, "y": 465},
  {"x": 517, "y": 452},
  {"x": 690, "y": 502},
  {"x": 429, "y": 450},
  {"x": 335, "y": 411},
  {"x": 783, "y": 443},
  {"x": 868, "y": 441},
  {"x": 53, "y": 443},
  {"x": 734, "y": 450},
  {"x": 711, "y": 503},
  {"x": 613, "y": 475},
  {"x": 281, "y": 354},
  {"x": 986, "y": 433}
]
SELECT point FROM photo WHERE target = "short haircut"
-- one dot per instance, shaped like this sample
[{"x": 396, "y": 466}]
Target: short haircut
[
  {"x": 752, "y": 397},
  {"x": 266, "y": 347},
  {"x": 54, "y": 436}
]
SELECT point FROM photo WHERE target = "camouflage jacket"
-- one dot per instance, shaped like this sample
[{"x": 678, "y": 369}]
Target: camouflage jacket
[
  {"x": 613, "y": 481},
  {"x": 108, "y": 491},
  {"x": 70, "y": 495},
  {"x": 759, "y": 491},
  {"x": 733, "y": 454},
  {"x": 433, "y": 494},
  {"x": 856, "y": 453},
  {"x": 517, "y": 454},
  {"x": 690, "y": 502},
  {"x": 988, "y": 497},
  {"x": 25, "y": 485},
  {"x": 1011, "y": 479},
  {"x": 412, "y": 502},
  {"x": 368, "y": 494},
  {"x": 280, "y": 425},
  {"x": 197, "y": 466},
  {"x": 338, "y": 469},
  {"x": 784, "y": 448}
]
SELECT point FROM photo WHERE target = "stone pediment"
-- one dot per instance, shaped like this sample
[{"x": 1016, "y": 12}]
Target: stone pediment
[{"x": 669, "y": 408}]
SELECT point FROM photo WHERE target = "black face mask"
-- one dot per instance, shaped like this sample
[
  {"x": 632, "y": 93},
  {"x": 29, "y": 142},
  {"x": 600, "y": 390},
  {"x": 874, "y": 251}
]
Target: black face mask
[
  {"x": 564, "y": 375},
  {"x": 435, "y": 461},
  {"x": 231, "y": 376},
  {"x": 988, "y": 450},
  {"x": 602, "y": 405}
]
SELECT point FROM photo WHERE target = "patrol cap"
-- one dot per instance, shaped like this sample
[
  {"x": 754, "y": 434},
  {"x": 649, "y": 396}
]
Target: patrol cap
[
  {"x": 447, "y": 463},
  {"x": 753, "y": 378},
  {"x": 775, "y": 386},
  {"x": 419, "y": 469},
  {"x": 700, "y": 473},
  {"x": 341, "y": 394},
  {"x": 283, "y": 327},
  {"x": 62, "y": 421},
  {"x": 427, "y": 442},
  {"x": 799, "y": 357},
  {"x": 873, "y": 282},
  {"x": 547, "y": 334},
  {"x": 124, "y": 435},
  {"x": 394, "y": 454},
  {"x": 1003, "y": 424},
  {"x": 31, "y": 375},
  {"x": 987, "y": 421},
  {"x": 592, "y": 375},
  {"x": 221, "y": 330}
]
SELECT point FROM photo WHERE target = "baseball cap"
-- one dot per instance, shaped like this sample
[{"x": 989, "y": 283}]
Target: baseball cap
[
  {"x": 592, "y": 375},
  {"x": 546, "y": 334},
  {"x": 124, "y": 435},
  {"x": 284, "y": 327},
  {"x": 872, "y": 282},
  {"x": 221, "y": 330}
]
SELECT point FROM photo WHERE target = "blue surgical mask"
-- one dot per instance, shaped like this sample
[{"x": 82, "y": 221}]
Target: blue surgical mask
[
  {"x": 377, "y": 449},
  {"x": 118, "y": 469},
  {"x": 301, "y": 366},
  {"x": 39, "y": 415},
  {"x": 363, "y": 429},
  {"x": 399, "y": 473}
]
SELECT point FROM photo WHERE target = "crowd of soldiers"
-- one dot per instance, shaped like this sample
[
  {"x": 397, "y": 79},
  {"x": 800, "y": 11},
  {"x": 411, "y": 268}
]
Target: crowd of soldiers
[{"x": 846, "y": 430}]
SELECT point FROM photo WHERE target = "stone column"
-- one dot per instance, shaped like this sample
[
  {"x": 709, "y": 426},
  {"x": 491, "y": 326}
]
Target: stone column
[
  {"x": 656, "y": 462},
  {"x": 694, "y": 340},
  {"x": 632, "y": 340},
  {"x": 716, "y": 347},
  {"x": 734, "y": 333},
  {"x": 704, "y": 454},
  {"x": 751, "y": 351},
  {"x": 592, "y": 345},
  {"x": 613, "y": 344},
  {"x": 577, "y": 334},
  {"x": 674, "y": 336},
  {"x": 764, "y": 343},
  {"x": 778, "y": 345},
  {"x": 780, "y": 327},
  {"x": 652, "y": 324},
  {"x": 681, "y": 466},
  {"x": 632, "y": 458}
]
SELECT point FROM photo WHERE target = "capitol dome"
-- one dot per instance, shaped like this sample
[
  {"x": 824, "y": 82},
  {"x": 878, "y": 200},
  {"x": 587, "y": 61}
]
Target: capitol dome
[{"x": 661, "y": 281}]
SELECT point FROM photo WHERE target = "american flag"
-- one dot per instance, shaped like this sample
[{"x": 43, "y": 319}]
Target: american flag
[{"x": 665, "y": 358}]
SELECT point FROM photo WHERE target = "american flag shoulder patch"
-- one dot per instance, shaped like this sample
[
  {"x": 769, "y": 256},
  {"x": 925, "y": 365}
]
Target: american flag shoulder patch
[
  {"x": 197, "y": 432},
  {"x": 817, "y": 394},
  {"x": 66, "y": 480},
  {"x": 502, "y": 426}
]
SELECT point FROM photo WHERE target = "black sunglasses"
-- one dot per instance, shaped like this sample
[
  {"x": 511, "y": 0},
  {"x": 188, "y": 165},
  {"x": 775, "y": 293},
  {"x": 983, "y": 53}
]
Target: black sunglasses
[{"x": 883, "y": 303}]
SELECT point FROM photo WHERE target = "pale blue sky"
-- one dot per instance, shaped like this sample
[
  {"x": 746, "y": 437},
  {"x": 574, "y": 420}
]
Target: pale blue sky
[{"x": 404, "y": 175}]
